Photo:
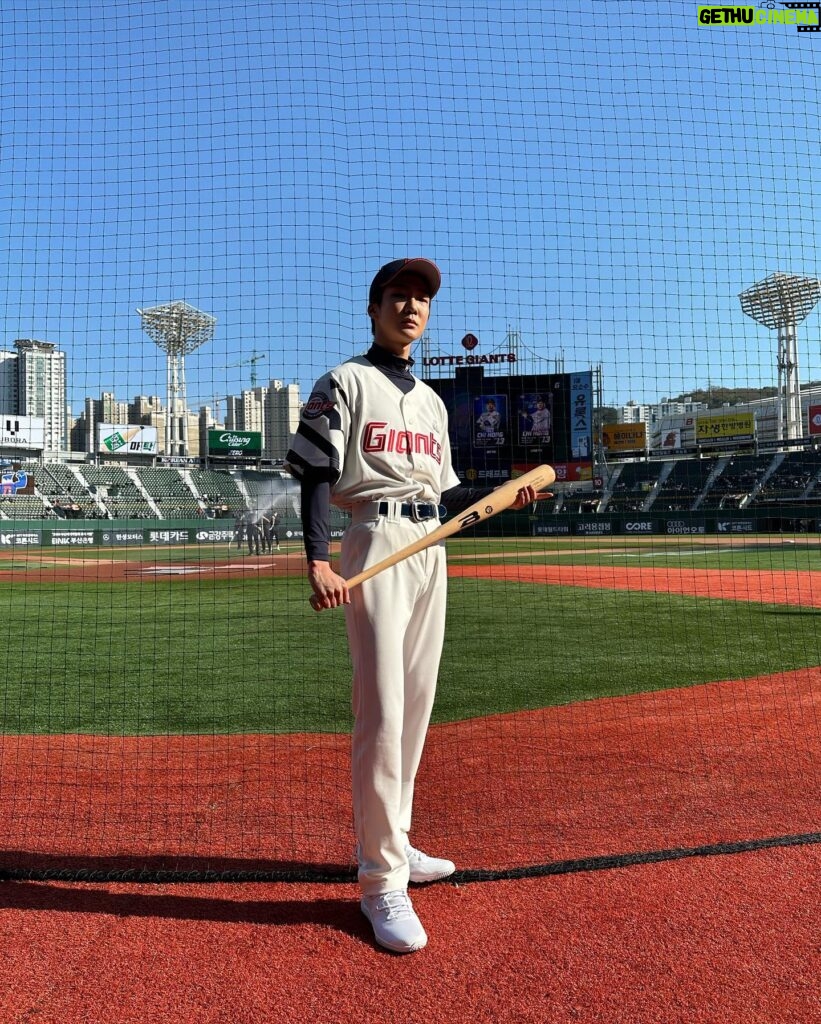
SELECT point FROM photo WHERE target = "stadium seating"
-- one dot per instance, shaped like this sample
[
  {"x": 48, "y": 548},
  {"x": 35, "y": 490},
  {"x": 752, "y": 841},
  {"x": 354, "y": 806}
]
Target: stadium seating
[
  {"x": 219, "y": 491},
  {"x": 170, "y": 493},
  {"x": 795, "y": 477},
  {"x": 118, "y": 492},
  {"x": 64, "y": 491},
  {"x": 738, "y": 479},
  {"x": 683, "y": 484},
  {"x": 632, "y": 486},
  {"x": 24, "y": 506}
]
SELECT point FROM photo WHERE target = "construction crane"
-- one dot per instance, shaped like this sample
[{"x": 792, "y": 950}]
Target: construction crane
[{"x": 254, "y": 359}]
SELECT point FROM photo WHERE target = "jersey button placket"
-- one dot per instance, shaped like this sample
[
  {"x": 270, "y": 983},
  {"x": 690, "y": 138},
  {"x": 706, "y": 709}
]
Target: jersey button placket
[{"x": 408, "y": 422}]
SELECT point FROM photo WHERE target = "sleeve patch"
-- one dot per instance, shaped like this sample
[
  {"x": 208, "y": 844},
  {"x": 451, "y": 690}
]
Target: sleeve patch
[{"x": 319, "y": 404}]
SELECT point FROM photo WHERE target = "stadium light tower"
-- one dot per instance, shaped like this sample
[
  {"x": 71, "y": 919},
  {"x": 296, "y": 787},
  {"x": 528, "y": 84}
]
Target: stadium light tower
[
  {"x": 177, "y": 329},
  {"x": 781, "y": 302}
]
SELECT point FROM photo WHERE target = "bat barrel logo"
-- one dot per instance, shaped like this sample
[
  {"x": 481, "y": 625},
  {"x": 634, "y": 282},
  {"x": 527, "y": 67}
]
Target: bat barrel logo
[{"x": 470, "y": 519}]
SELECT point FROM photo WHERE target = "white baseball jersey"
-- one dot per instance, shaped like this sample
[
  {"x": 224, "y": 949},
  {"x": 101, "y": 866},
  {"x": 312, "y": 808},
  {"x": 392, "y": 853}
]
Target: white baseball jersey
[
  {"x": 371, "y": 440},
  {"x": 489, "y": 422},
  {"x": 541, "y": 421}
]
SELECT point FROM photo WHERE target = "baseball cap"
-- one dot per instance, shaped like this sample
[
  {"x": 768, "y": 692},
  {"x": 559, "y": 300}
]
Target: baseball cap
[{"x": 426, "y": 269}]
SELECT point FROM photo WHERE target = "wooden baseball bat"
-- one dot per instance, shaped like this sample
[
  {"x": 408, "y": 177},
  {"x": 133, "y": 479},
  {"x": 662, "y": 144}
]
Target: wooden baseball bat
[{"x": 493, "y": 503}]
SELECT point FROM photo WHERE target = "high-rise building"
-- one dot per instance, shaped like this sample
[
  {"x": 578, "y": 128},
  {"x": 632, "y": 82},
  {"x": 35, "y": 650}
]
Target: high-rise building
[
  {"x": 112, "y": 411},
  {"x": 142, "y": 407},
  {"x": 234, "y": 419},
  {"x": 41, "y": 383},
  {"x": 282, "y": 418},
  {"x": 8, "y": 382},
  {"x": 253, "y": 409},
  {"x": 206, "y": 421}
]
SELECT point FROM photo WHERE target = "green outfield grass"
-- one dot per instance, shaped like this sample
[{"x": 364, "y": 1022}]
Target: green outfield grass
[
  {"x": 204, "y": 656},
  {"x": 768, "y": 554}
]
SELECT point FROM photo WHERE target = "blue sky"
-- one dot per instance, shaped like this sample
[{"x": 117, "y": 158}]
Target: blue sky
[{"x": 602, "y": 177}]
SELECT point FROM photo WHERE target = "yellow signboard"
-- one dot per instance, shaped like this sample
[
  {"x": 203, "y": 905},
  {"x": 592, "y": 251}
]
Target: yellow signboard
[
  {"x": 624, "y": 437},
  {"x": 725, "y": 427}
]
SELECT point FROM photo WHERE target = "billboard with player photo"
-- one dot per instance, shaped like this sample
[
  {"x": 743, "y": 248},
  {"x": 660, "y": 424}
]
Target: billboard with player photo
[
  {"x": 553, "y": 422},
  {"x": 535, "y": 418},
  {"x": 490, "y": 421}
]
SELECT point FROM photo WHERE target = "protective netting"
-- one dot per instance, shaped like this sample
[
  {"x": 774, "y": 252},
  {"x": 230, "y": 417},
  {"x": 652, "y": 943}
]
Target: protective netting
[{"x": 194, "y": 197}]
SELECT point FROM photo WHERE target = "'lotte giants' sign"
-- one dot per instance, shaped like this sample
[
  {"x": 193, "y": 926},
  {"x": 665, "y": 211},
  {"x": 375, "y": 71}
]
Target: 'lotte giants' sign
[{"x": 469, "y": 342}]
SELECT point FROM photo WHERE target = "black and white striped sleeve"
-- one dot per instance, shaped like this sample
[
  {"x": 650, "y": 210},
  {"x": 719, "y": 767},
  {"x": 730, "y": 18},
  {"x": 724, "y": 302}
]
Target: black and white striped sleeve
[{"x": 318, "y": 447}]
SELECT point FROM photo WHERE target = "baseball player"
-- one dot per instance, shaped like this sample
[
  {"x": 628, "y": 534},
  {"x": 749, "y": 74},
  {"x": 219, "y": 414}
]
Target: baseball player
[
  {"x": 373, "y": 440},
  {"x": 490, "y": 420},
  {"x": 540, "y": 419}
]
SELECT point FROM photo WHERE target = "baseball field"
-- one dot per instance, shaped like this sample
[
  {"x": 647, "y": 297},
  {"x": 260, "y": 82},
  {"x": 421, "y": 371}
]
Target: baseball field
[
  {"x": 196, "y": 640},
  {"x": 646, "y": 706},
  {"x": 197, "y": 683}
]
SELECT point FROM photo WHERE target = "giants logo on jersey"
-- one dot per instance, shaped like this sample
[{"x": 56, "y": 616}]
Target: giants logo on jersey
[
  {"x": 316, "y": 405},
  {"x": 378, "y": 437}
]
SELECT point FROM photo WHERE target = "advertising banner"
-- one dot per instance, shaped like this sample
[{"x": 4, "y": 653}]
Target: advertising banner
[
  {"x": 551, "y": 529},
  {"x": 14, "y": 480},
  {"x": 638, "y": 526},
  {"x": 235, "y": 442},
  {"x": 567, "y": 472},
  {"x": 725, "y": 427},
  {"x": 814, "y": 417},
  {"x": 22, "y": 431},
  {"x": 210, "y": 535},
  {"x": 71, "y": 538},
  {"x": 682, "y": 527},
  {"x": 735, "y": 526},
  {"x": 129, "y": 439},
  {"x": 168, "y": 536},
  {"x": 581, "y": 415},
  {"x": 121, "y": 537},
  {"x": 624, "y": 437},
  {"x": 671, "y": 440},
  {"x": 21, "y": 539},
  {"x": 593, "y": 528}
]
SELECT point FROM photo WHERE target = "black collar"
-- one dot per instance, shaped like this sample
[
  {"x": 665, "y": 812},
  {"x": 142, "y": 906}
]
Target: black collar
[{"x": 382, "y": 357}]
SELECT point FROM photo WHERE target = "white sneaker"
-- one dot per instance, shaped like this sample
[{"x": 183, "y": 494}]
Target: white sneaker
[
  {"x": 394, "y": 921},
  {"x": 427, "y": 869}
]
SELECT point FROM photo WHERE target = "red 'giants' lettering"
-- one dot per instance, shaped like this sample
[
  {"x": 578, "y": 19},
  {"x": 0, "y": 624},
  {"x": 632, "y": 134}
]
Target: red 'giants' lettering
[{"x": 379, "y": 437}]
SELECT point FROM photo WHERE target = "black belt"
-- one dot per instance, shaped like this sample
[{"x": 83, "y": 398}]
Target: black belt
[{"x": 418, "y": 511}]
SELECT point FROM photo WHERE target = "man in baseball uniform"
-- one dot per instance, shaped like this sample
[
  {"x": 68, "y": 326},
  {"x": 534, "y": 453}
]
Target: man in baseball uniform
[
  {"x": 490, "y": 420},
  {"x": 540, "y": 419},
  {"x": 373, "y": 440}
]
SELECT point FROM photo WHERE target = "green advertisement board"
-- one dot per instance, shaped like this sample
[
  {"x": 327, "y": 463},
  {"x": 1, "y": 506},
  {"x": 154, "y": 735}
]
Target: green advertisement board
[{"x": 234, "y": 443}]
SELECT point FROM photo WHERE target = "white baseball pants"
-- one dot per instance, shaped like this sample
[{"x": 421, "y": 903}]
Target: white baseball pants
[{"x": 396, "y": 625}]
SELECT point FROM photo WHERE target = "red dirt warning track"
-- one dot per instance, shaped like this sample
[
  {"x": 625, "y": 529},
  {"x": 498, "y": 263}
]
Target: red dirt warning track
[
  {"x": 776, "y": 587},
  {"x": 730, "y": 939},
  {"x": 724, "y": 940},
  {"x": 712, "y": 763}
]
